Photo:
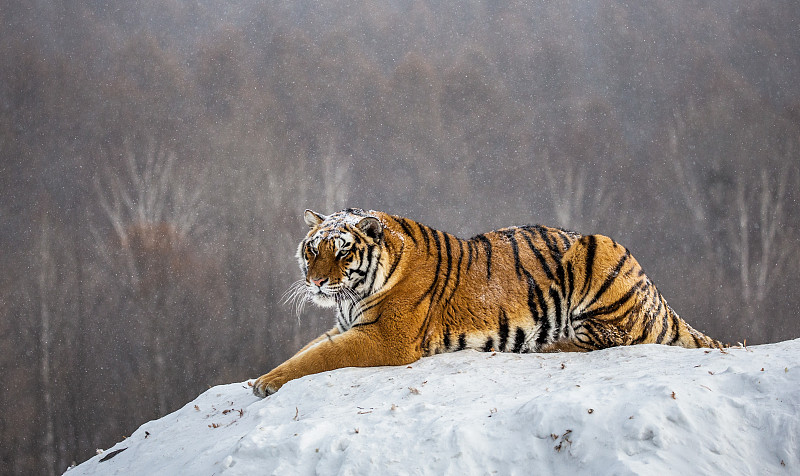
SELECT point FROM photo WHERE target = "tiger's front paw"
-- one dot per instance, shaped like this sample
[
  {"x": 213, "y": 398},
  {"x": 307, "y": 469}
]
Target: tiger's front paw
[{"x": 266, "y": 385}]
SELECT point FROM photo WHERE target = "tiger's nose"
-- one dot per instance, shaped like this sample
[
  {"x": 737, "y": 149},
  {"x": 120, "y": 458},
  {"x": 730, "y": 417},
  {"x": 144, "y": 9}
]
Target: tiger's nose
[{"x": 318, "y": 282}]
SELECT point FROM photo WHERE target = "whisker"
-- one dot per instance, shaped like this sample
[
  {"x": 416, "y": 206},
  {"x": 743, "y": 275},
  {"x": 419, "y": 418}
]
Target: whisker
[
  {"x": 291, "y": 292},
  {"x": 355, "y": 303},
  {"x": 297, "y": 295}
]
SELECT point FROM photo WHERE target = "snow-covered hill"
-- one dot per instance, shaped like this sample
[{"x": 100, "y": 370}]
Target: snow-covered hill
[{"x": 631, "y": 410}]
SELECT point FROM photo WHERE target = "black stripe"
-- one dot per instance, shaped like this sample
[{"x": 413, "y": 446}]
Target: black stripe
[
  {"x": 534, "y": 295},
  {"x": 515, "y": 251},
  {"x": 341, "y": 322},
  {"x": 503, "y": 330},
  {"x": 448, "y": 272},
  {"x": 646, "y": 329},
  {"x": 489, "y": 346},
  {"x": 664, "y": 326},
  {"x": 519, "y": 340},
  {"x": 556, "y": 298},
  {"x": 458, "y": 272},
  {"x": 613, "y": 307},
  {"x": 591, "y": 249},
  {"x": 570, "y": 234},
  {"x": 544, "y": 319},
  {"x": 547, "y": 236},
  {"x": 393, "y": 267},
  {"x": 341, "y": 319},
  {"x": 351, "y": 272},
  {"x": 407, "y": 229},
  {"x": 351, "y": 315},
  {"x": 650, "y": 313},
  {"x": 611, "y": 278},
  {"x": 566, "y": 242},
  {"x": 370, "y": 302},
  {"x": 339, "y": 311},
  {"x": 435, "y": 274},
  {"x": 697, "y": 341},
  {"x": 544, "y": 233},
  {"x": 675, "y": 326},
  {"x": 594, "y": 337},
  {"x": 462, "y": 342},
  {"x": 390, "y": 249},
  {"x": 361, "y": 253},
  {"x": 570, "y": 286},
  {"x": 446, "y": 337},
  {"x": 423, "y": 330},
  {"x": 371, "y": 306},
  {"x": 580, "y": 345},
  {"x": 540, "y": 257},
  {"x": 469, "y": 260},
  {"x": 487, "y": 246},
  {"x": 423, "y": 230},
  {"x": 560, "y": 277},
  {"x": 371, "y": 266},
  {"x": 359, "y": 324}
]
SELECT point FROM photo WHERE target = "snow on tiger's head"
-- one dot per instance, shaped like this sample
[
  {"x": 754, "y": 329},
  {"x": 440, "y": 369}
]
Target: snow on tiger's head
[{"x": 343, "y": 228}]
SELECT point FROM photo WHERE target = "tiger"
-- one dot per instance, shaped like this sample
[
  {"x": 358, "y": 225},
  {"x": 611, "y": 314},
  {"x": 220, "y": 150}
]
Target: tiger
[{"x": 402, "y": 290}]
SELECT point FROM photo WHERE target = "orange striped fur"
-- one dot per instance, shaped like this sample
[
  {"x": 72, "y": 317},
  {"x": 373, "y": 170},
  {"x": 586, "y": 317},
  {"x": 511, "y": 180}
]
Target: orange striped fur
[{"x": 402, "y": 290}]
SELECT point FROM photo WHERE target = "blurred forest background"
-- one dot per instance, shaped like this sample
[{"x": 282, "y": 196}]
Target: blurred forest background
[{"x": 156, "y": 157}]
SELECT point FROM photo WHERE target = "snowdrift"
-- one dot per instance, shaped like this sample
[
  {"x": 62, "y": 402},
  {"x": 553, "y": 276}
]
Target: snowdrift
[{"x": 644, "y": 409}]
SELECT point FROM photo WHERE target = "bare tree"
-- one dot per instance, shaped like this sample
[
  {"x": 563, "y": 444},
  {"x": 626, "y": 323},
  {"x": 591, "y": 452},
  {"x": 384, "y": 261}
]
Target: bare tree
[
  {"x": 151, "y": 209},
  {"x": 759, "y": 238},
  {"x": 579, "y": 201},
  {"x": 688, "y": 180},
  {"x": 47, "y": 285},
  {"x": 150, "y": 202},
  {"x": 749, "y": 235},
  {"x": 337, "y": 179}
]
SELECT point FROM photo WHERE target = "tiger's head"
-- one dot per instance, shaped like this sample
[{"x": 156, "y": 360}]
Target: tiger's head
[{"x": 339, "y": 257}]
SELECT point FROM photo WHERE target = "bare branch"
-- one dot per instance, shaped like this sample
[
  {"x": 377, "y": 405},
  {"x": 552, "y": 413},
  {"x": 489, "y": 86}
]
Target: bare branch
[
  {"x": 690, "y": 190},
  {"x": 148, "y": 193},
  {"x": 742, "y": 239},
  {"x": 576, "y": 202}
]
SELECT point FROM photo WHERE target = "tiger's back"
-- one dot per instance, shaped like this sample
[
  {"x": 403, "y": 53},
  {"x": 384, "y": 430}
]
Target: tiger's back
[
  {"x": 495, "y": 296},
  {"x": 541, "y": 289},
  {"x": 403, "y": 290}
]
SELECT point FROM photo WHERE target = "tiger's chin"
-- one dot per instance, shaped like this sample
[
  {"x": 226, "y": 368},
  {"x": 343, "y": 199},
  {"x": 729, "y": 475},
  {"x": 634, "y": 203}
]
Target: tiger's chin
[{"x": 323, "y": 300}]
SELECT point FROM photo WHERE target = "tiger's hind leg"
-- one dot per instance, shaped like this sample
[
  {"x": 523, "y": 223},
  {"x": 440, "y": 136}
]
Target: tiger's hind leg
[
  {"x": 611, "y": 301},
  {"x": 563, "y": 345}
]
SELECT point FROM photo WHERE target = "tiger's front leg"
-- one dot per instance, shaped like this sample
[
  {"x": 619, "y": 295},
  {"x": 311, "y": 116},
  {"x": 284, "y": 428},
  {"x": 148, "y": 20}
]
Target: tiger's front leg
[
  {"x": 327, "y": 335},
  {"x": 358, "y": 347}
]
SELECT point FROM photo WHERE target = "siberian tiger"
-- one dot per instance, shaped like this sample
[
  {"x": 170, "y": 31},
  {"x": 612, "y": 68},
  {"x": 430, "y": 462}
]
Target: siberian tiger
[{"x": 402, "y": 290}]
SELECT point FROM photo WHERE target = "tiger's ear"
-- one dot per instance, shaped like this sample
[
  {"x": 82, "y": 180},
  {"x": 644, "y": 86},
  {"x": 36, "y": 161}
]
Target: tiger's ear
[
  {"x": 313, "y": 218},
  {"x": 371, "y": 227}
]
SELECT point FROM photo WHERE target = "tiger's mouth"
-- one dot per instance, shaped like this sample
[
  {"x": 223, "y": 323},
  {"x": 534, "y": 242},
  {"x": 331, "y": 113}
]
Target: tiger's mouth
[
  {"x": 324, "y": 296},
  {"x": 334, "y": 295}
]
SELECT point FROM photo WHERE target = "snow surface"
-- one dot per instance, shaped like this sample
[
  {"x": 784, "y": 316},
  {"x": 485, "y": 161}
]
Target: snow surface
[{"x": 645, "y": 409}]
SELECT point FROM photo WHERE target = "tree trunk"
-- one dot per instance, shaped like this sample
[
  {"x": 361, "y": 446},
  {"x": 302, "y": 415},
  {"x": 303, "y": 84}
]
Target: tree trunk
[{"x": 46, "y": 284}]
